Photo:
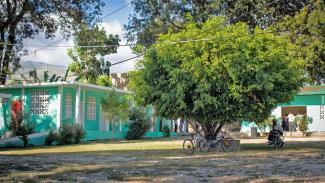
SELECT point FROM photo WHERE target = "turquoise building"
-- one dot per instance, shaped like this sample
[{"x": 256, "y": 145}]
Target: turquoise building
[
  {"x": 310, "y": 101},
  {"x": 50, "y": 105}
]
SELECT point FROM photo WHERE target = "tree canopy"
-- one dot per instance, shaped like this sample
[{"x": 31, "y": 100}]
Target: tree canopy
[
  {"x": 89, "y": 63},
  {"x": 232, "y": 74},
  {"x": 307, "y": 30},
  {"x": 151, "y": 18},
  {"x": 22, "y": 19}
]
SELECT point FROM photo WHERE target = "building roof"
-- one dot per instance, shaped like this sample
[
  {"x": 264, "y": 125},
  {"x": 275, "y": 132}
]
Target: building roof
[
  {"x": 63, "y": 83},
  {"x": 313, "y": 90}
]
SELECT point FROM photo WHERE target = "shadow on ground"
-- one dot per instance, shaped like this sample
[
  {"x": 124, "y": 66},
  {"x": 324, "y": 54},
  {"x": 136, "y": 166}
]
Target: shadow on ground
[{"x": 297, "y": 161}]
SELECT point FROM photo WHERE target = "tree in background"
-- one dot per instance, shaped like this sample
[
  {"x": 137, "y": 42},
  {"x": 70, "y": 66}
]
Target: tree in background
[
  {"x": 307, "y": 30},
  {"x": 21, "y": 19},
  {"x": 35, "y": 78},
  {"x": 138, "y": 124},
  {"x": 87, "y": 62},
  {"x": 235, "y": 75},
  {"x": 115, "y": 108},
  {"x": 152, "y": 18}
]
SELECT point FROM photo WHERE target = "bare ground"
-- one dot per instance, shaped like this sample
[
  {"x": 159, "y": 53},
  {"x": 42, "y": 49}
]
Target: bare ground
[{"x": 301, "y": 160}]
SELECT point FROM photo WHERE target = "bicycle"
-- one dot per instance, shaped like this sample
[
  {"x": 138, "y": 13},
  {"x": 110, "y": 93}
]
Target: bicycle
[
  {"x": 206, "y": 145},
  {"x": 192, "y": 144}
]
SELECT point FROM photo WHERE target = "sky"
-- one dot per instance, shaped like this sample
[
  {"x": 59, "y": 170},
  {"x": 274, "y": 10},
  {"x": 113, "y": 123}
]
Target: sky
[{"x": 112, "y": 24}]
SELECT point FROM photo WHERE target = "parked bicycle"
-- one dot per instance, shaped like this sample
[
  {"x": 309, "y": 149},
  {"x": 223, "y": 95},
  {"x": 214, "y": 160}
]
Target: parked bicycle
[
  {"x": 192, "y": 144},
  {"x": 225, "y": 142}
]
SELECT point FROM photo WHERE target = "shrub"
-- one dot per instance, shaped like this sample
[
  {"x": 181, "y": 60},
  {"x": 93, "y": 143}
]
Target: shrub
[
  {"x": 53, "y": 136},
  {"x": 303, "y": 121},
  {"x": 21, "y": 126},
  {"x": 71, "y": 133},
  {"x": 166, "y": 131},
  {"x": 138, "y": 124}
]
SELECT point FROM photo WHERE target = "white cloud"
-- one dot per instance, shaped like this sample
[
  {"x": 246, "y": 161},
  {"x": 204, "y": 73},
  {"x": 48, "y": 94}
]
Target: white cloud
[{"x": 58, "y": 55}]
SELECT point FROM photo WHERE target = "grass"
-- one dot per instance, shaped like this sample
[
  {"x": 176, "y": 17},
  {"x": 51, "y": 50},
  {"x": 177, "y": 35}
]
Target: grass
[{"x": 162, "y": 160}]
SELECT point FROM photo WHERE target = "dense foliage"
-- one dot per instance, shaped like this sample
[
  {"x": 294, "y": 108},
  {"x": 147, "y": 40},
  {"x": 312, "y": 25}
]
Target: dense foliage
[
  {"x": 89, "y": 63},
  {"x": 71, "y": 133},
  {"x": 152, "y": 18},
  {"x": 166, "y": 131},
  {"x": 21, "y": 126},
  {"x": 115, "y": 108},
  {"x": 138, "y": 124},
  {"x": 230, "y": 75},
  {"x": 303, "y": 121},
  {"x": 307, "y": 29},
  {"x": 25, "y": 19}
]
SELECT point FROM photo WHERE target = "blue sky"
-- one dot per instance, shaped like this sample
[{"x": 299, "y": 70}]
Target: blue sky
[{"x": 112, "y": 24}]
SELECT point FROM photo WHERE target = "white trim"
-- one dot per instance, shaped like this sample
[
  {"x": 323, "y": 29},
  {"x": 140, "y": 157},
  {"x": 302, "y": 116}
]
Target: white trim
[
  {"x": 64, "y": 83},
  {"x": 22, "y": 99},
  {"x": 3, "y": 95},
  {"x": 83, "y": 107},
  {"x": 59, "y": 112},
  {"x": 77, "y": 107}
]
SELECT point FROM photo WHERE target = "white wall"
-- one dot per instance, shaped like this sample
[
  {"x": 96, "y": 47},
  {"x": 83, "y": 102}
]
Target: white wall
[
  {"x": 318, "y": 124},
  {"x": 277, "y": 112}
]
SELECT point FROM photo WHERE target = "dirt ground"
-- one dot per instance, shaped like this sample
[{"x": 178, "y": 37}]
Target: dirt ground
[{"x": 301, "y": 160}]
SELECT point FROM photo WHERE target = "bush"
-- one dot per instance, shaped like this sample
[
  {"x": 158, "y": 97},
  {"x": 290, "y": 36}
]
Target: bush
[
  {"x": 303, "y": 121},
  {"x": 138, "y": 124},
  {"x": 53, "y": 136},
  {"x": 21, "y": 126},
  {"x": 166, "y": 131},
  {"x": 71, "y": 133},
  {"x": 67, "y": 134}
]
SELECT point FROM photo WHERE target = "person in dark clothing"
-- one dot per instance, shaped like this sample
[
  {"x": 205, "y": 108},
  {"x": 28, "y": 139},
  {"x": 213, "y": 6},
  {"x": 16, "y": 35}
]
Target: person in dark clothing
[
  {"x": 285, "y": 123},
  {"x": 275, "y": 128}
]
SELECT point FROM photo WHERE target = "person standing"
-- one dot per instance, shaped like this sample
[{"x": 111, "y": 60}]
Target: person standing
[{"x": 291, "y": 119}]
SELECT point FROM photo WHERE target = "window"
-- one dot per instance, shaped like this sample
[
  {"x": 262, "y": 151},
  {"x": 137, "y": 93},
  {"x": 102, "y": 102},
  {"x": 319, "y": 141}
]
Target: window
[
  {"x": 322, "y": 112},
  {"x": 68, "y": 106},
  {"x": 39, "y": 102},
  {"x": 91, "y": 108}
]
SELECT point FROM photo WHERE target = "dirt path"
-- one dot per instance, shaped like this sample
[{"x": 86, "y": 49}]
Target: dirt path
[{"x": 301, "y": 160}]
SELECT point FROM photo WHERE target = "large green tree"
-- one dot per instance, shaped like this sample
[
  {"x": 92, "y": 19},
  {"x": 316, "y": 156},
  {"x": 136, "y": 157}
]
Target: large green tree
[
  {"x": 234, "y": 75},
  {"x": 151, "y": 18},
  {"x": 22, "y": 19},
  {"x": 307, "y": 30},
  {"x": 88, "y": 62}
]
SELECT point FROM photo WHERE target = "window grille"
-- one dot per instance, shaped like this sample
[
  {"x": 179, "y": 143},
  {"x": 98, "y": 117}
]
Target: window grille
[
  {"x": 91, "y": 108},
  {"x": 322, "y": 112},
  {"x": 4, "y": 100},
  {"x": 68, "y": 106},
  {"x": 39, "y": 102}
]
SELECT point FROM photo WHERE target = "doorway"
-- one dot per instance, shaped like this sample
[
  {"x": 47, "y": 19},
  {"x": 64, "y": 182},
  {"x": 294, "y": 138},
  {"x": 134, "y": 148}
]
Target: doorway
[{"x": 295, "y": 110}]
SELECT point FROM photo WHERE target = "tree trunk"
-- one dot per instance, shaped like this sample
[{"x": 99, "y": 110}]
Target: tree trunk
[{"x": 8, "y": 55}]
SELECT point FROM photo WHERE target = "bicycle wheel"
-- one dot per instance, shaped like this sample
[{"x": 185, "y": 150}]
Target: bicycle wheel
[
  {"x": 226, "y": 144},
  {"x": 188, "y": 146},
  {"x": 203, "y": 146}
]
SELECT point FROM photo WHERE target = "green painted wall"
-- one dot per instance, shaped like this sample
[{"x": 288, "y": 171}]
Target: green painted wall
[
  {"x": 6, "y": 107},
  {"x": 68, "y": 91},
  {"x": 303, "y": 100},
  {"x": 43, "y": 122}
]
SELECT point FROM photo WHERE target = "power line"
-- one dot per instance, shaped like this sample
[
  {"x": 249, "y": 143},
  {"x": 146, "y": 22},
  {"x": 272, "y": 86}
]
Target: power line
[
  {"x": 113, "y": 12},
  {"x": 106, "y": 16},
  {"x": 126, "y": 60}
]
